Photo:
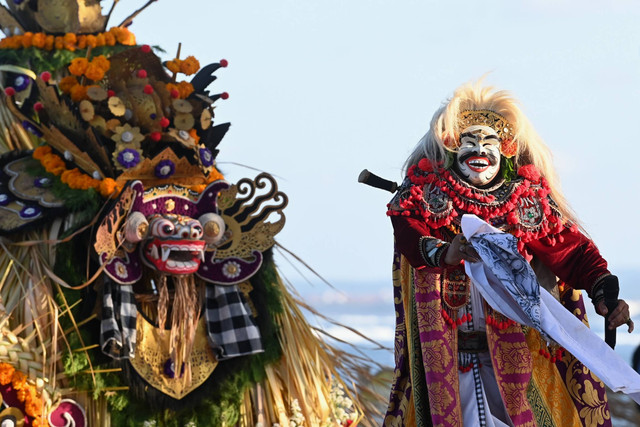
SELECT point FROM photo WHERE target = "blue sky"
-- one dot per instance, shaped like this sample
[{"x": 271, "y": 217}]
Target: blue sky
[{"x": 322, "y": 89}]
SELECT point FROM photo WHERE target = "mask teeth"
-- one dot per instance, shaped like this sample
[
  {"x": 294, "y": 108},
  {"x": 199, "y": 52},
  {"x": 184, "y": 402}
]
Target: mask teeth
[{"x": 165, "y": 253}]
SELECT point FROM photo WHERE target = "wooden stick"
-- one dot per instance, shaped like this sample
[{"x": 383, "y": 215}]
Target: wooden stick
[{"x": 129, "y": 19}]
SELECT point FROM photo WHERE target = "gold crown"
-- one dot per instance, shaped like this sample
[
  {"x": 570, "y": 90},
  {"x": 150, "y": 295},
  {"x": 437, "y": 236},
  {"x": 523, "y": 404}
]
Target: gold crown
[{"x": 495, "y": 121}]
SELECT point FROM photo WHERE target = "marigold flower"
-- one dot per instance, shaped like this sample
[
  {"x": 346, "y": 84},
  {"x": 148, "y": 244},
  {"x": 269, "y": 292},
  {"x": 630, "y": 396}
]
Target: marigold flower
[
  {"x": 19, "y": 380},
  {"x": 39, "y": 40},
  {"x": 189, "y": 66},
  {"x": 100, "y": 40},
  {"x": 91, "y": 41},
  {"x": 38, "y": 154},
  {"x": 6, "y": 373},
  {"x": 123, "y": 36},
  {"x": 78, "y": 93},
  {"x": 173, "y": 65},
  {"x": 67, "y": 83},
  {"x": 109, "y": 39},
  {"x": 26, "y": 39},
  {"x": 53, "y": 164},
  {"x": 59, "y": 42},
  {"x": 78, "y": 66},
  {"x": 94, "y": 72},
  {"x": 185, "y": 89},
  {"x": 82, "y": 41},
  {"x": 102, "y": 62},
  {"x": 194, "y": 135},
  {"x": 70, "y": 41},
  {"x": 108, "y": 188},
  {"x": 49, "y": 42}
]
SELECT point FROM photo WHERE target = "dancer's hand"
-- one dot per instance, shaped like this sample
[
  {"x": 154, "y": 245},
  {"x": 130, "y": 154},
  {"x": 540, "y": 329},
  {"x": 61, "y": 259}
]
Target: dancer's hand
[
  {"x": 619, "y": 316},
  {"x": 460, "y": 249}
]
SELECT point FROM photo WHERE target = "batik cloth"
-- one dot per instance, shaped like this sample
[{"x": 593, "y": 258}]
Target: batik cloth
[{"x": 507, "y": 282}]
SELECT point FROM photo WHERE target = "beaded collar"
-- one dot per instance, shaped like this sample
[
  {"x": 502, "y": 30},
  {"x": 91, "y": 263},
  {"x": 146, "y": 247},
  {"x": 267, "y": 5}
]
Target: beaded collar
[{"x": 440, "y": 197}]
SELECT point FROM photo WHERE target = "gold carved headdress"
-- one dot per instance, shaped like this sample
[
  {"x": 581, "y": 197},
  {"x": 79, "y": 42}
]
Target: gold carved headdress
[{"x": 495, "y": 121}]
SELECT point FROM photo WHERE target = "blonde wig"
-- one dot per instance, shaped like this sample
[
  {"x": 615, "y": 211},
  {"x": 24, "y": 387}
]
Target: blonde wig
[{"x": 474, "y": 96}]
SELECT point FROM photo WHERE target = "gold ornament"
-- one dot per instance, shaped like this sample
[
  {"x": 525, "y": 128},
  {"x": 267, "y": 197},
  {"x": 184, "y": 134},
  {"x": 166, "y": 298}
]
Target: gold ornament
[{"x": 495, "y": 121}]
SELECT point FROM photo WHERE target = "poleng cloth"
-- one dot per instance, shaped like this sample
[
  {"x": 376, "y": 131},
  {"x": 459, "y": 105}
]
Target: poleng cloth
[{"x": 509, "y": 285}]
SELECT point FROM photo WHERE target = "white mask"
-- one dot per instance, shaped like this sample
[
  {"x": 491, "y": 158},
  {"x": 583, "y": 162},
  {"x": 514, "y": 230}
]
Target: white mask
[{"x": 478, "y": 157}]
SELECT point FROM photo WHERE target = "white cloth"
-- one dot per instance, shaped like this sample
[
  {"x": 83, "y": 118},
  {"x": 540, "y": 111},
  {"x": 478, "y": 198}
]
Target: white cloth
[{"x": 516, "y": 298}]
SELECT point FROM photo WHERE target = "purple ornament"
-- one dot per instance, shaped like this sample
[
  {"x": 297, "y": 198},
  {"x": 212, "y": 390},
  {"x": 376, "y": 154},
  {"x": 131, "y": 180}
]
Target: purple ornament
[
  {"x": 21, "y": 83},
  {"x": 4, "y": 199},
  {"x": 128, "y": 158},
  {"x": 27, "y": 125},
  {"x": 206, "y": 157},
  {"x": 165, "y": 169},
  {"x": 29, "y": 212},
  {"x": 42, "y": 182},
  {"x": 169, "y": 369}
]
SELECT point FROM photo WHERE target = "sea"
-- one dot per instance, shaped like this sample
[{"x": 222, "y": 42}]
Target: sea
[{"x": 367, "y": 309}]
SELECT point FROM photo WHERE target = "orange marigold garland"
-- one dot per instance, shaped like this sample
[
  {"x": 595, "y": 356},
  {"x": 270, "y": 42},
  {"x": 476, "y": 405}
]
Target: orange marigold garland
[
  {"x": 25, "y": 392},
  {"x": 69, "y": 41}
]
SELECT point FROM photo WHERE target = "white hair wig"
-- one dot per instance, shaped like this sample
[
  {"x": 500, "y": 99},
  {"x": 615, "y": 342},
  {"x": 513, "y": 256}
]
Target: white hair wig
[{"x": 531, "y": 149}]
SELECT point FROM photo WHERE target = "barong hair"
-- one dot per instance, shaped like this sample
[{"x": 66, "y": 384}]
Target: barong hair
[{"x": 531, "y": 149}]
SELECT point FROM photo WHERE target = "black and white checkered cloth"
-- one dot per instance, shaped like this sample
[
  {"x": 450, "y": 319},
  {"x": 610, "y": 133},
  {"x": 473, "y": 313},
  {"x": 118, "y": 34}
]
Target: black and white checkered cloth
[
  {"x": 231, "y": 329},
  {"x": 118, "y": 326}
]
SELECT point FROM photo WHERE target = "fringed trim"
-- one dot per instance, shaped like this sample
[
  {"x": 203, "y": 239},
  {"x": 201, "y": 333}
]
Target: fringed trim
[
  {"x": 453, "y": 320},
  {"x": 470, "y": 366},
  {"x": 498, "y": 320},
  {"x": 552, "y": 352}
]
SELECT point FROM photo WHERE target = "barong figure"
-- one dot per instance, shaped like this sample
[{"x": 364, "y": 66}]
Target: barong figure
[{"x": 460, "y": 361}]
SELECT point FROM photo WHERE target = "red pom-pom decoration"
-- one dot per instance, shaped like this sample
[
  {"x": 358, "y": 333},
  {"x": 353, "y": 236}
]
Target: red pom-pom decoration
[
  {"x": 10, "y": 91},
  {"x": 148, "y": 89},
  {"x": 164, "y": 122},
  {"x": 111, "y": 93},
  {"x": 224, "y": 95},
  {"x": 38, "y": 106},
  {"x": 529, "y": 172},
  {"x": 142, "y": 74},
  {"x": 175, "y": 93},
  {"x": 145, "y": 48},
  {"x": 224, "y": 63},
  {"x": 45, "y": 76},
  {"x": 155, "y": 136},
  {"x": 425, "y": 165}
]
